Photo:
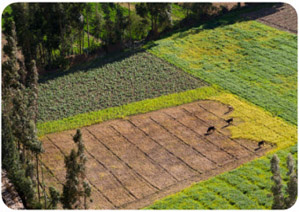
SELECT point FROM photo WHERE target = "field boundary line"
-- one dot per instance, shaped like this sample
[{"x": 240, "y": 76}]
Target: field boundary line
[
  {"x": 86, "y": 176},
  {"x": 159, "y": 124},
  {"x": 166, "y": 149},
  {"x": 125, "y": 163},
  {"x": 147, "y": 155},
  {"x": 200, "y": 136},
  {"x": 105, "y": 167}
]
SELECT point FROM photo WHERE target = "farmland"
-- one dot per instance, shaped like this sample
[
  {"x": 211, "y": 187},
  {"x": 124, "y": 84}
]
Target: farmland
[
  {"x": 246, "y": 187},
  {"x": 170, "y": 138},
  {"x": 188, "y": 121},
  {"x": 252, "y": 60},
  {"x": 100, "y": 85},
  {"x": 257, "y": 79}
]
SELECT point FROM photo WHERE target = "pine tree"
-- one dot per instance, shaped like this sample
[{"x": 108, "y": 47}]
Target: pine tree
[
  {"x": 70, "y": 188},
  {"x": 278, "y": 201},
  {"x": 54, "y": 197},
  {"x": 19, "y": 130},
  {"x": 75, "y": 187},
  {"x": 87, "y": 193},
  {"x": 9, "y": 151},
  {"x": 292, "y": 183}
]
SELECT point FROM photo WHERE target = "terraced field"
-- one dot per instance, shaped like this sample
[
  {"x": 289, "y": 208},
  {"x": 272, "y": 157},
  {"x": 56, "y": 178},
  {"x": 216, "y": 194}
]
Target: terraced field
[{"x": 252, "y": 60}]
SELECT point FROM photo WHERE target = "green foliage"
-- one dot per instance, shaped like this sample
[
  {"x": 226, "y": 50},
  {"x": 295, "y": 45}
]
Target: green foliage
[
  {"x": 277, "y": 187},
  {"x": 100, "y": 85},
  {"x": 279, "y": 201},
  {"x": 75, "y": 186},
  {"x": 159, "y": 15},
  {"x": 246, "y": 187},
  {"x": 252, "y": 60},
  {"x": 143, "y": 106},
  {"x": 70, "y": 194},
  {"x": 178, "y": 12},
  {"x": 54, "y": 197},
  {"x": 18, "y": 132}
]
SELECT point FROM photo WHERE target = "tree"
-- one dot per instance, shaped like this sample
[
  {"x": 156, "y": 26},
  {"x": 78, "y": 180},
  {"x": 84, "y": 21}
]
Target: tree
[
  {"x": 279, "y": 201},
  {"x": 277, "y": 187},
  {"x": 292, "y": 184},
  {"x": 54, "y": 197},
  {"x": 202, "y": 11},
  {"x": 19, "y": 133},
  {"x": 9, "y": 151},
  {"x": 75, "y": 187},
  {"x": 87, "y": 14},
  {"x": 121, "y": 23},
  {"x": 97, "y": 23},
  {"x": 109, "y": 33},
  {"x": 158, "y": 13},
  {"x": 87, "y": 193}
]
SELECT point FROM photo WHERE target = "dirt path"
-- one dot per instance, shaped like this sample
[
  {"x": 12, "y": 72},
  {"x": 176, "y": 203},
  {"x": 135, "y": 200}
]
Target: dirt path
[
  {"x": 135, "y": 161},
  {"x": 281, "y": 16}
]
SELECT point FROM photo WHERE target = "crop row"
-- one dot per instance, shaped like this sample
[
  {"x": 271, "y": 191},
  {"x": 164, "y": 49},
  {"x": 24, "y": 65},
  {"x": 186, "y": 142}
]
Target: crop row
[
  {"x": 247, "y": 187},
  {"x": 103, "y": 84},
  {"x": 254, "y": 61}
]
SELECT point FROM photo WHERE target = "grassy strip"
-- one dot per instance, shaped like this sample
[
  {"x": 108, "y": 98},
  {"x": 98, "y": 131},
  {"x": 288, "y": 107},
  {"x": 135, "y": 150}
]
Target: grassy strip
[
  {"x": 234, "y": 189},
  {"x": 144, "y": 106},
  {"x": 252, "y": 60}
]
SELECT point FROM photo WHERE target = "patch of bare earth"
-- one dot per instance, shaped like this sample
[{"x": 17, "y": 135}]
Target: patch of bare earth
[
  {"x": 135, "y": 161},
  {"x": 280, "y": 16}
]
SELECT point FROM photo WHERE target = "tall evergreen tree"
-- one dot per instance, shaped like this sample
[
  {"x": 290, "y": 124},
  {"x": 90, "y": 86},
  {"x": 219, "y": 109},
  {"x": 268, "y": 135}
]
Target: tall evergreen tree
[
  {"x": 278, "y": 202},
  {"x": 54, "y": 198},
  {"x": 292, "y": 185},
  {"x": 75, "y": 187}
]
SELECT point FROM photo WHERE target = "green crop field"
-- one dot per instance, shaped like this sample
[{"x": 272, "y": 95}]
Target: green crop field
[
  {"x": 99, "y": 85},
  {"x": 252, "y": 60},
  {"x": 248, "y": 187}
]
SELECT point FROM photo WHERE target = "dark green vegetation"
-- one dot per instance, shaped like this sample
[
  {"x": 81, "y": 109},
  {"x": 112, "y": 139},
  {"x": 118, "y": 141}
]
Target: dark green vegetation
[
  {"x": 246, "y": 187},
  {"x": 76, "y": 189},
  {"x": 281, "y": 200},
  {"x": 20, "y": 145},
  {"x": 100, "y": 85},
  {"x": 252, "y": 60}
]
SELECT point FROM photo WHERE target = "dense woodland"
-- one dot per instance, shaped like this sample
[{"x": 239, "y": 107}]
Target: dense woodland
[
  {"x": 52, "y": 33},
  {"x": 44, "y": 37}
]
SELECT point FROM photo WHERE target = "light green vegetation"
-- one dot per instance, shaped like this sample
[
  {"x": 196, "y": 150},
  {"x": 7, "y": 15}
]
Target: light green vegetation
[
  {"x": 247, "y": 187},
  {"x": 108, "y": 83},
  {"x": 252, "y": 60},
  {"x": 178, "y": 13}
]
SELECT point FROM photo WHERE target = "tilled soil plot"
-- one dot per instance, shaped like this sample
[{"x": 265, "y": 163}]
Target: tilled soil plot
[
  {"x": 135, "y": 161},
  {"x": 281, "y": 16}
]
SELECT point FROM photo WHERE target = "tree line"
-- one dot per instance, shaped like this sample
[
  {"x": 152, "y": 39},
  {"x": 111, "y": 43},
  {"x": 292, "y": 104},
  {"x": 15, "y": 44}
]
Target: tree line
[
  {"x": 49, "y": 32},
  {"x": 21, "y": 148}
]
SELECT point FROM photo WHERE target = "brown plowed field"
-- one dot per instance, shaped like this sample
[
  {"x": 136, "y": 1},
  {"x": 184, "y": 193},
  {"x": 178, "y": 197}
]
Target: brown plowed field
[
  {"x": 134, "y": 161},
  {"x": 281, "y": 16}
]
